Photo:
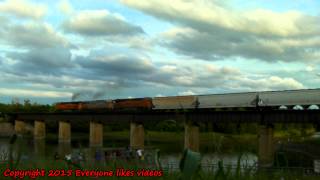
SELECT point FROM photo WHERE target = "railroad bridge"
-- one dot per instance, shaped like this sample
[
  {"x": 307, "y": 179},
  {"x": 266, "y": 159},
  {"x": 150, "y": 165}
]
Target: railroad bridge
[{"x": 192, "y": 118}]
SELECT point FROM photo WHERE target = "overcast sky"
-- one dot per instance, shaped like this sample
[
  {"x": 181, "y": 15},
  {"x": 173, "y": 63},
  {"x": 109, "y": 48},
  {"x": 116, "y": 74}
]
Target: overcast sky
[{"x": 100, "y": 49}]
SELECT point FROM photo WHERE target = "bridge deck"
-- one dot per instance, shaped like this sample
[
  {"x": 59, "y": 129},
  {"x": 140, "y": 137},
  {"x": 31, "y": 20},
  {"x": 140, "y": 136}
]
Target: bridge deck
[{"x": 282, "y": 116}]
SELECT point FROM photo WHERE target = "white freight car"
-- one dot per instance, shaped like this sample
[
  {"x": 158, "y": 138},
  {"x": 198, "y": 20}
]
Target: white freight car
[
  {"x": 175, "y": 102},
  {"x": 228, "y": 100},
  {"x": 290, "y": 97}
]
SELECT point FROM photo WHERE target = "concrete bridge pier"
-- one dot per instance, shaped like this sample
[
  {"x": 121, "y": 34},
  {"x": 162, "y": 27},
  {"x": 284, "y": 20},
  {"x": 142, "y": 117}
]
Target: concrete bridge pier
[
  {"x": 266, "y": 149},
  {"x": 20, "y": 126},
  {"x": 136, "y": 135},
  {"x": 96, "y": 134},
  {"x": 64, "y": 132},
  {"x": 64, "y": 146},
  {"x": 39, "y": 130},
  {"x": 191, "y": 136}
]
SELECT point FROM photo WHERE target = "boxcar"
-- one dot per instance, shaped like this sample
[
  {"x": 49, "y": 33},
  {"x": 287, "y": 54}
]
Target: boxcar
[
  {"x": 232, "y": 100},
  {"x": 96, "y": 105},
  {"x": 67, "y": 106},
  {"x": 132, "y": 104},
  {"x": 175, "y": 102},
  {"x": 290, "y": 97}
]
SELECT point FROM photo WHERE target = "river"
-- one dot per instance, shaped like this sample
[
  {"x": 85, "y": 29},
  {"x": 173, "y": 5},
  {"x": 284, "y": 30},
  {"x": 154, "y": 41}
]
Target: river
[{"x": 31, "y": 150}]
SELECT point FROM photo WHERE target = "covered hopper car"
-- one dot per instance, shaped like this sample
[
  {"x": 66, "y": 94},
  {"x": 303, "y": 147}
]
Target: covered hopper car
[
  {"x": 290, "y": 98},
  {"x": 175, "y": 102},
  {"x": 243, "y": 100}
]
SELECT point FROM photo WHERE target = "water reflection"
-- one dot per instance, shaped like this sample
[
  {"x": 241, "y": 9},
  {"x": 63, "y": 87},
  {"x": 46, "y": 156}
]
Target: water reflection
[
  {"x": 64, "y": 148},
  {"x": 316, "y": 135},
  {"x": 39, "y": 148},
  {"x": 171, "y": 161},
  {"x": 42, "y": 150}
]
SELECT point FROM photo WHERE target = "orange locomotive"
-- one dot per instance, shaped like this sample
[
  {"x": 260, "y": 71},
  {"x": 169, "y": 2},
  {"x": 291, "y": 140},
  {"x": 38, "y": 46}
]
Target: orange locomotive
[
  {"x": 96, "y": 105},
  {"x": 67, "y": 106},
  {"x": 133, "y": 104},
  {"x": 107, "y": 105}
]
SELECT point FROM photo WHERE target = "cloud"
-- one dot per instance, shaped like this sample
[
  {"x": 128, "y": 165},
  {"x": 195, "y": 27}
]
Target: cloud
[
  {"x": 32, "y": 35},
  {"x": 203, "y": 14},
  {"x": 23, "y": 8},
  {"x": 65, "y": 7},
  {"x": 223, "y": 44},
  {"x": 269, "y": 83},
  {"x": 106, "y": 76},
  {"x": 115, "y": 65},
  {"x": 100, "y": 23},
  {"x": 211, "y": 31},
  {"x": 186, "y": 93},
  {"x": 44, "y": 61},
  {"x": 33, "y": 93},
  {"x": 34, "y": 47}
]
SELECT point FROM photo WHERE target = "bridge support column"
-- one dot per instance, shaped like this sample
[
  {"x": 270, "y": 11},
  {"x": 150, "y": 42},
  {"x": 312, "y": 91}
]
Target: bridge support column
[
  {"x": 136, "y": 135},
  {"x": 96, "y": 134},
  {"x": 64, "y": 132},
  {"x": 39, "y": 130},
  {"x": 266, "y": 152},
  {"x": 191, "y": 136},
  {"x": 20, "y": 126}
]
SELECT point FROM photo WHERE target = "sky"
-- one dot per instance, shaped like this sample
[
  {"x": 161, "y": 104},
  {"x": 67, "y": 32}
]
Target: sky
[{"x": 67, "y": 50}]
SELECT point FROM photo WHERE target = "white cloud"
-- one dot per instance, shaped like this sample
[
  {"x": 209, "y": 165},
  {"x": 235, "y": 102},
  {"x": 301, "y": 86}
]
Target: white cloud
[
  {"x": 100, "y": 23},
  {"x": 210, "y": 13},
  {"x": 65, "y": 7},
  {"x": 23, "y": 8},
  {"x": 219, "y": 44},
  {"x": 168, "y": 68},
  {"x": 186, "y": 93},
  {"x": 184, "y": 80},
  {"x": 211, "y": 31},
  {"x": 310, "y": 68},
  {"x": 33, "y": 93},
  {"x": 32, "y": 34},
  {"x": 268, "y": 83}
]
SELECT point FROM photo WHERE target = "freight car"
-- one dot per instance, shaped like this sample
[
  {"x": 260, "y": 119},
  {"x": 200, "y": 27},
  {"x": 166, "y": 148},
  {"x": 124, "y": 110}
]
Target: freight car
[
  {"x": 175, "y": 102},
  {"x": 292, "y": 99},
  {"x": 133, "y": 104},
  {"x": 232, "y": 100}
]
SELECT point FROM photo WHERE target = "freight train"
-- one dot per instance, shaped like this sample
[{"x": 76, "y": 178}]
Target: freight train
[{"x": 289, "y": 99}]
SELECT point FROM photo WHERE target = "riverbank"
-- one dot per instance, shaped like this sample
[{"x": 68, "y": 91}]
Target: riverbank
[
  {"x": 209, "y": 141},
  {"x": 64, "y": 169}
]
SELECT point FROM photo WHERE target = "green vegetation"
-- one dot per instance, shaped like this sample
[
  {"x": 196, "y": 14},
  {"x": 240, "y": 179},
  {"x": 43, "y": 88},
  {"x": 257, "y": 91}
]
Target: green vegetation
[
  {"x": 220, "y": 172},
  {"x": 26, "y": 106}
]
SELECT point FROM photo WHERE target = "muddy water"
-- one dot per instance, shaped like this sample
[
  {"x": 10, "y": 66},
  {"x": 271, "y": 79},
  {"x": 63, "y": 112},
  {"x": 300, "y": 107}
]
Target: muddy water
[{"x": 32, "y": 150}]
